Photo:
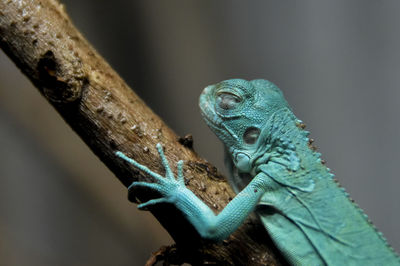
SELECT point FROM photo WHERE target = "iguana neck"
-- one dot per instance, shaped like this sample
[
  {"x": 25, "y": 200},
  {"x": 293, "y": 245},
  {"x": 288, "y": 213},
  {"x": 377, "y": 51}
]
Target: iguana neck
[{"x": 288, "y": 144}]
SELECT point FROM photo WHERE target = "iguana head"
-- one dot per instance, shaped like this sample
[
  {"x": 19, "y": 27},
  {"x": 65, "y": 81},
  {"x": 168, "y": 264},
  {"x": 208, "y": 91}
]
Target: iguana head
[{"x": 239, "y": 112}]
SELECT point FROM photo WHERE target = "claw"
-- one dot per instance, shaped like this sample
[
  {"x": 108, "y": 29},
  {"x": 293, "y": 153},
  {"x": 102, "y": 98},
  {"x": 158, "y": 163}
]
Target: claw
[
  {"x": 181, "y": 179},
  {"x": 151, "y": 202},
  {"x": 138, "y": 165},
  {"x": 153, "y": 186},
  {"x": 168, "y": 171}
]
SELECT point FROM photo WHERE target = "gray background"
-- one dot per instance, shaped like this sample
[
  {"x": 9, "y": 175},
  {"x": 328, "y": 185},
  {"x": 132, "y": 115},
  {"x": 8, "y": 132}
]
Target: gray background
[{"x": 337, "y": 62}]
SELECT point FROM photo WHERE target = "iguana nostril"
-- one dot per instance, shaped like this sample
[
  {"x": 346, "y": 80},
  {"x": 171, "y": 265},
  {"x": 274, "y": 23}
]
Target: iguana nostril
[{"x": 206, "y": 90}]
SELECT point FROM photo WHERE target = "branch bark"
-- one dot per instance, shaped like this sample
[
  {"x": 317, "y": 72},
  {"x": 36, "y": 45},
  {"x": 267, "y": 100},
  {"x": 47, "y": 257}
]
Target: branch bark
[{"x": 90, "y": 96}]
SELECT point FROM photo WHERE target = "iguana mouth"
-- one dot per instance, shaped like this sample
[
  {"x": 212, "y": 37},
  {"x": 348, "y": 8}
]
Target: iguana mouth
[
  {"x": 211, "y": 119},
  {"x": 207, "y": 110}
]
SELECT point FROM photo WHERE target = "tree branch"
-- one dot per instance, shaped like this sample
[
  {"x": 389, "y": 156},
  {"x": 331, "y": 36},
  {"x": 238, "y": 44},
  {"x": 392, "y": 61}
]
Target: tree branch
[{"x": 41, "y": 40}]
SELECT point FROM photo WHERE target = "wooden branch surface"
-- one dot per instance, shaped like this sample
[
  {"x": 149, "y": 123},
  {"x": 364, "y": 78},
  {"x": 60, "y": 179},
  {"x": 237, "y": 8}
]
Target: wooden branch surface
[{"x": 41, "y": 40}]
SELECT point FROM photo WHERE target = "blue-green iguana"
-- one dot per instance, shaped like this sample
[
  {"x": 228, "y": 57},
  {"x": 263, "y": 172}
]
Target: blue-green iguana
[{"x": 307, "y": 214}]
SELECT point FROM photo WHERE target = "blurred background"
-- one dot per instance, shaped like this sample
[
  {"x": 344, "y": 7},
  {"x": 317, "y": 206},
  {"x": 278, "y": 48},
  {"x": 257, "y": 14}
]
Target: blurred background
[{"x": 338, "y": 63}]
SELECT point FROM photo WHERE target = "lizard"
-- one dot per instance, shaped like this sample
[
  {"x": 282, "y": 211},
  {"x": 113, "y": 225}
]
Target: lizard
[{"x": 276, "y": 173}]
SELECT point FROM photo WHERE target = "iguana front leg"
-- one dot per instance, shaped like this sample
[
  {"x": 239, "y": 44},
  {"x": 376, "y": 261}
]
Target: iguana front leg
[{"x": 207, "y": 224}]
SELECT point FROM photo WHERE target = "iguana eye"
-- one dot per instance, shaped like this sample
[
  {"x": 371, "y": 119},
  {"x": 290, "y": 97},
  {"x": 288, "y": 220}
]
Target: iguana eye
[
  {"x": 227, "y": 100},
  {"x": 251, "y": 135}
]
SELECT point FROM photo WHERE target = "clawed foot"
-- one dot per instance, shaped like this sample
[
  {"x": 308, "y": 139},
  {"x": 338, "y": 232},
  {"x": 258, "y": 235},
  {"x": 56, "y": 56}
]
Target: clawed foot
[{"x": 167, "y": 186}]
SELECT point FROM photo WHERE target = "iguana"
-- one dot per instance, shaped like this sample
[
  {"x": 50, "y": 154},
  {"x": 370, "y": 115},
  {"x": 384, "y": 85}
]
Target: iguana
[{"x": 308, "y": 215}]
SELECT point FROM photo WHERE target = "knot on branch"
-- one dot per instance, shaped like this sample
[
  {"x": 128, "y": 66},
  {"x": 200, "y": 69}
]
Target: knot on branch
[
  {"x": 56, "y": 85},
  {"x": 186, "y": 141}
]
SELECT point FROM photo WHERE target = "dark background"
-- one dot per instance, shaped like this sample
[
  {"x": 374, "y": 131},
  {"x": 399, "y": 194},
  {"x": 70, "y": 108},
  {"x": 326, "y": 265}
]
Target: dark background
[{"x": 338, "y": 63}]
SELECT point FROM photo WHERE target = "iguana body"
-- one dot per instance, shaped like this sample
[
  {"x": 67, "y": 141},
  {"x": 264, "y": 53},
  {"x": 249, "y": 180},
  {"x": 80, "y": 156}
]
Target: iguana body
[{"x": 310, "y": 218}]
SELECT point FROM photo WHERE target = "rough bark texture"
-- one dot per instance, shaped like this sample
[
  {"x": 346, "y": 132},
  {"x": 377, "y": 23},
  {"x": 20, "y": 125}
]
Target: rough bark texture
[{"x": 41, "y": 40}]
